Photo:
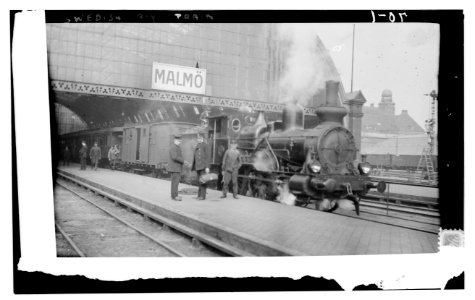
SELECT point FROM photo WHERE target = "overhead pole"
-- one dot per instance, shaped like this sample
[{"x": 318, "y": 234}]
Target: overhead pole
[
  {"x": 352, "y": 57},
  {"x": 430, "y": 127},
  {"x": 428, "y": 151}
]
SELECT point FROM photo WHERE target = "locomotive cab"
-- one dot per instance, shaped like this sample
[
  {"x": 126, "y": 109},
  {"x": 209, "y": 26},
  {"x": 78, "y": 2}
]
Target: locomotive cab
[{"x": 224, "y": 127}]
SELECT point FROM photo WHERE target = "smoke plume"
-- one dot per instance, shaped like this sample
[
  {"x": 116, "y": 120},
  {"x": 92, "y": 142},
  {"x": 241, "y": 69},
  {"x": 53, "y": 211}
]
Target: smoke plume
[
  {"x": 327, "y": 204},
  {"x": 285, "y": 196},
  {"x": 262, "y": 162},
  {"x": 306, "y": 64}
]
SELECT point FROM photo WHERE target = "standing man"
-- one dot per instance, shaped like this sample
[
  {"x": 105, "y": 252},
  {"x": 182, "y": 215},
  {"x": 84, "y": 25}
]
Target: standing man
[
  {"x": 95, "y": 155},
  {"x": 112, "y": 155},
  {"x": 83, "y": 155},
  {"x": 201, "y": 160},
  {"x": 175, "y": 165},
  {"x": 66, "y": 156},
  {"x": 230, "y": 167}
]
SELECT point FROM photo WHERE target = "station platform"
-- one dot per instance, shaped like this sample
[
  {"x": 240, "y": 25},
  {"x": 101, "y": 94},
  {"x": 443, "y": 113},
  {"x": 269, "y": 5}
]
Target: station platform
[{"x": 261, "y": 227}]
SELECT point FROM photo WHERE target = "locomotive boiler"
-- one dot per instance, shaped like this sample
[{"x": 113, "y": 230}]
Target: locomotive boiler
[{"x": 314, "y": 164}]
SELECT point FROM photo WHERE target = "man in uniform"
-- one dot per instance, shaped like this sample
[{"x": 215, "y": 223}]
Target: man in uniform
[
  {"x": 83, "y": 155},
  {"x": 201, "y": 161},
  {"x": 112, "y": 155},
  {"x": 175, "y": 164},
  {"x": 66, "y": 156},
  {"x": 230, "y": 167},
  {"x": 95, "y": 155}
]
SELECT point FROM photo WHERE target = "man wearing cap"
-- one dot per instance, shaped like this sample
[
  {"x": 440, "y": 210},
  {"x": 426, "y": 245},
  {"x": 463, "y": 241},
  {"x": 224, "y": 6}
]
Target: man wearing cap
[
  {"x": 95, "y": 155},
  {"x": 174, "y": 167},
  {"x": 201, "y": 161},
  {"x": 83, "y": 155},
  {"x": 230, "y": 167}
]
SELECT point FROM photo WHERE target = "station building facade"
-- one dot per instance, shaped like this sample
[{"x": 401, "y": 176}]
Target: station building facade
[
  {"x": 102, "y": 72},
  {"x": 240, "y": 59}
]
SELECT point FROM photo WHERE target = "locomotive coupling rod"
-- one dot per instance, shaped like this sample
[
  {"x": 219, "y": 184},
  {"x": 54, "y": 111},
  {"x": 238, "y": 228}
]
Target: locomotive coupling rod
[{"x": 277, "y": 181}]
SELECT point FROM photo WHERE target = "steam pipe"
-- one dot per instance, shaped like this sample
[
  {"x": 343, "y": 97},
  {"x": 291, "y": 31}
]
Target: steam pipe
[{"x": 292, "y": 116}]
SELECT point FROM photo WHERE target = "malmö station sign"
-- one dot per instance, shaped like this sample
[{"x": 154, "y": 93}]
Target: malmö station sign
[{"x": 178, "y": 78}]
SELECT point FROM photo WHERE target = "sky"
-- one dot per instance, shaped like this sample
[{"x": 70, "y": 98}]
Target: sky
[{"x": 400, "y": 57}]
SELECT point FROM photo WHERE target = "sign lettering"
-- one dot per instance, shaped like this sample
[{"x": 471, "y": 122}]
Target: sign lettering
[{"x": 178, "y": 78}]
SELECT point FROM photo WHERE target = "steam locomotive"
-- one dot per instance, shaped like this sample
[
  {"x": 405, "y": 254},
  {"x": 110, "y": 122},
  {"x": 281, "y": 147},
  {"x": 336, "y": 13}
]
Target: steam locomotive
[{"x": 313, "y": 165}]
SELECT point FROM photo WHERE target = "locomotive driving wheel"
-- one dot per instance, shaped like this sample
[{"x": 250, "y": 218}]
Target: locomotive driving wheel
[
  {"x": 303, "y": 202},
  {"x": 244, "y": 182}
]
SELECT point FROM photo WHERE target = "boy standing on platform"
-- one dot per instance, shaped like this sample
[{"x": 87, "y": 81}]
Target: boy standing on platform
[{"x": 230, "y": 167}]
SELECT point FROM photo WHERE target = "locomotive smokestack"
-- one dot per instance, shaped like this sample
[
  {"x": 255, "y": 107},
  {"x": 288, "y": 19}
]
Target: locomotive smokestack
[
  {"x": 292, "y": 116},
  {"x": 331, "y": 93},
  {"x": 331, "y": 111}
]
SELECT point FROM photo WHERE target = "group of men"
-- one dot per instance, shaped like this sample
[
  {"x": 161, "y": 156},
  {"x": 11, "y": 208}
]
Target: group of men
[
  {"x": 94, "y": 154},
  {"x": 201, "y": 162}
]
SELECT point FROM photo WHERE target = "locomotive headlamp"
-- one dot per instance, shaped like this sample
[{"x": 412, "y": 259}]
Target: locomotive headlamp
[
  {"x": 315, "y": 167},
  {"x": 364, "y": 168}
]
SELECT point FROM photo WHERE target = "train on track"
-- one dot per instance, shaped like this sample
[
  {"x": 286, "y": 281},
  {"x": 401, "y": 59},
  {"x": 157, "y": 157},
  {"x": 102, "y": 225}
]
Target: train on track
[{"x": 281, "y": 159}]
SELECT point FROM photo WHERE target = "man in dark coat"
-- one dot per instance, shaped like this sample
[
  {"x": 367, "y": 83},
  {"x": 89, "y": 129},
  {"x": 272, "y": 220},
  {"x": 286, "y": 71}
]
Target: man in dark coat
[
  {"x": 201, "y": 161},
  {"x": 175, "y": 165},
  {"x": 95, "y": 155},
  {"x": 83, "y": 155},
  {"x": 230, "y": 167},
  {"x": 66, "y": 156}
]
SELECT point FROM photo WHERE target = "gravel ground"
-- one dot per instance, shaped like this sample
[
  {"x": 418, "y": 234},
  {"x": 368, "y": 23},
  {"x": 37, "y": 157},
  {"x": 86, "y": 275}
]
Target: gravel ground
[{"x": 99, "y": 235}]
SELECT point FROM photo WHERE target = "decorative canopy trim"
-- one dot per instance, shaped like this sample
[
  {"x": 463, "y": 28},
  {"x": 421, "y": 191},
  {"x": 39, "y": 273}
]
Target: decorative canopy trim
[{"x": 127, "y": 92}]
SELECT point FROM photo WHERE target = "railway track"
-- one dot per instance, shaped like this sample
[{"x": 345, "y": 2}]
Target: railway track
[
  {"x": 90, "y": 225},
  {"x": 391, "y": 213}
]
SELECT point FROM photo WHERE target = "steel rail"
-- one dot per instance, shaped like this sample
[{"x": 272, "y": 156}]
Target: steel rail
[
  {"x": 388, "y": 223},
  {"x": 187, "y": 231},
  {"x": 363, "y": 208},
  {"x": 164, "y": 245},
  {"x": 70, "y": 241}
]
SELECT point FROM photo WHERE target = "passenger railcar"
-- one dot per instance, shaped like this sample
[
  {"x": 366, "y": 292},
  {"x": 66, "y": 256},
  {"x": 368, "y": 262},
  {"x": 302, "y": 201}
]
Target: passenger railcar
[{"x": 144, "y": 148}]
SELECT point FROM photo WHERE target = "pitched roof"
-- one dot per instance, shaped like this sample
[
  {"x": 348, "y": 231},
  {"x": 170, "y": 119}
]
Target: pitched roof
[
  {"x": 356, "y": 95},
  {"x": 375, "y": 120}
]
